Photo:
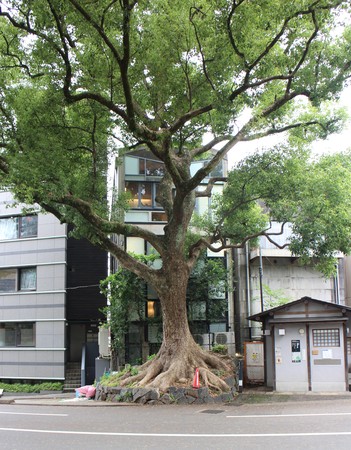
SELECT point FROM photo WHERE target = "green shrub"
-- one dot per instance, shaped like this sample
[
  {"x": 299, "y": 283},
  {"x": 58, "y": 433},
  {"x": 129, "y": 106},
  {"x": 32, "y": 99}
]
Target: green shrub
[
  {"x": 220, "y": 348},
  {"x": 31, "y": 388}
]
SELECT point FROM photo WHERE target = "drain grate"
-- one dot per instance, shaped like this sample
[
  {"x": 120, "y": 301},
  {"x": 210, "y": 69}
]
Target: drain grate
[{"x": 212, "y": 411}]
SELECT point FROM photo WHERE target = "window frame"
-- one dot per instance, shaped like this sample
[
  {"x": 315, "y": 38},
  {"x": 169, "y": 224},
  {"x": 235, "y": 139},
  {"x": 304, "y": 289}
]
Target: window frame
[
  {"x": 326, "y": 337},
  {"x": 20, "y": 273},
  {"x": 17, "y": 279},
  {"x": 17, "y": 334},
  {"x": 22, "y": 220},
  {"x": 20, "y": 228},
  {"x": 138, "y": 196}
]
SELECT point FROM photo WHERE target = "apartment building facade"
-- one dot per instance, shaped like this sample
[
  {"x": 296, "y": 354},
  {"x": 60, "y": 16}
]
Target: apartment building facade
[
  {"x": 49, "y": 294},
  {"x": 140, "y": 175},
  {"x": 32, "y": 294}
]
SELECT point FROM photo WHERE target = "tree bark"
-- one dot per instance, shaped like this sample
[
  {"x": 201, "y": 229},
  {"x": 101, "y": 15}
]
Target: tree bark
[{"x": 179, "y": 355}]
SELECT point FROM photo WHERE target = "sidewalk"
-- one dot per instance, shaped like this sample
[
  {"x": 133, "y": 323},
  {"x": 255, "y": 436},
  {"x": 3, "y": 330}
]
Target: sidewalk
[
  {"x": 250, "y": 395},
  {"x": 52, "y": 399},
  {"x": 262, "y": 394}
]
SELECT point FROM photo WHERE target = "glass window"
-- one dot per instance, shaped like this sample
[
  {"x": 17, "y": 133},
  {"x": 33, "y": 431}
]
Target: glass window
[
  {"x": 28, "y": 226},
  {"x": 142, "y": 194},
  {"x": 28, "y": 279},
  {"x": 326, "y": 338},
  {"x": 133, "y": 188},
  {"x": 18, "y": 227},
  {"x": 136, "y": 245},
  {"x": 153, "y": 309},
  {"x": 9, "y": 228},
  {"x": 217, "y": 171},
  {"x": 195, "y": 166},
  {"x": 154, "y": 168},
  {"x": 142, "y": 166},
  {"x": 25, "y": 335},
  {"x": 131, "y": 166},
  {"x": 151, "y": 293},
  {"x": 17, "y": 334},
  {"x": 8, "y": 279},
  {"x": 197, "y": 310},
  {"x": 158, "y": 217},
  {"x": 145, "y": 195}
]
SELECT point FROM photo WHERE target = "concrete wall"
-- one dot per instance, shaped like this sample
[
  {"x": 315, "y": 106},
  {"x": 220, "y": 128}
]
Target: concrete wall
[{"x": 282, "y": 275}]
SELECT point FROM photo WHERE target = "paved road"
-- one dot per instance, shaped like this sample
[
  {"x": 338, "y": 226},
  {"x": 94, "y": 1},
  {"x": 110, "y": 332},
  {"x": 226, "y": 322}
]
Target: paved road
[{"x": 324, "y": 424}]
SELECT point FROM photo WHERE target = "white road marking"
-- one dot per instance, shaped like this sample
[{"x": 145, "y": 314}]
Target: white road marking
[
  {"x": 32, "y": 414},
  {"x": 196, "y": 435},
  {"x": 265, "y": 416}
]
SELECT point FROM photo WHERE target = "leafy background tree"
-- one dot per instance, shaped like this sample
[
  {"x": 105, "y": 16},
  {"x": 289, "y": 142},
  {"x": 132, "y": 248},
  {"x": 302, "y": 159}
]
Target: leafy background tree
[{"x": 77, "y": 76}]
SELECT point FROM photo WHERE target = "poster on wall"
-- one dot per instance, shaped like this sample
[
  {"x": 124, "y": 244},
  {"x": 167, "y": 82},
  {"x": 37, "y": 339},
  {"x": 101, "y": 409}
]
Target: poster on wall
[{"x": 295, "y": 351}]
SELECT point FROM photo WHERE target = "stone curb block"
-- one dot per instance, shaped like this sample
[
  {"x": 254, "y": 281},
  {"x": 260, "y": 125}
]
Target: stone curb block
[{"x": 174, "y": 395}]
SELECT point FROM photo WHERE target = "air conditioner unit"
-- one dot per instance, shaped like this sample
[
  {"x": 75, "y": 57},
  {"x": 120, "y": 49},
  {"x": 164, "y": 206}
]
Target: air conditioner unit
[
  {"x": 225, "y": 338},
  {"x": 203, "y": 340},
  {"x": 103, "y": 341}
]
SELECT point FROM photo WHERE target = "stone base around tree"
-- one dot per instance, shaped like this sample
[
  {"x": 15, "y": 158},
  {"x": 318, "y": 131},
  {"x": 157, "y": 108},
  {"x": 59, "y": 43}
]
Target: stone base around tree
[{"x": 174, "y": 395}]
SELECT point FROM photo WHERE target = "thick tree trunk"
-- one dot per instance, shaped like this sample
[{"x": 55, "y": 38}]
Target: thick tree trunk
[
  {"x": 172, "y": 295},
  {"x": 179, "y": 354}
]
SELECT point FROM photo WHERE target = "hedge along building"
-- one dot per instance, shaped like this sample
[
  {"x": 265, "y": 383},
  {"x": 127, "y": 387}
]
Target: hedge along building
[
  {"x": 305, "y": 346},
  {"x": 49, "y": 294}
]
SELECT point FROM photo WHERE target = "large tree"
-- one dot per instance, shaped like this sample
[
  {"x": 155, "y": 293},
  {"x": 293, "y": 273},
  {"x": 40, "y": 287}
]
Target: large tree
[{"x": 76, "y": 76}]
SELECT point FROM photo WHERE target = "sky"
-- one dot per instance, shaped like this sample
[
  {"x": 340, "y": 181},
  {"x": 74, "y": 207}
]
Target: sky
[{"x": 335, "y": 142}]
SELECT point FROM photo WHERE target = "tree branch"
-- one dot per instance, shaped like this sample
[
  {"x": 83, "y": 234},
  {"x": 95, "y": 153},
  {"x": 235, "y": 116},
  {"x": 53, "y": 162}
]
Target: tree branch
[
  {"x": 209, "y": 146},
  {"x": 188, "y": 116},
  {"x": 273, "y": 131},
  {"x": 123, "y": 61},
  {"x": 140, "y": 269},
  {"x": 86, "y": 211},
  {"x": 192, "y": 13},
  {"x": 225, "y": 242},
  {"x": 209, "y": 187},
  {"x": 241, "y": 55}
]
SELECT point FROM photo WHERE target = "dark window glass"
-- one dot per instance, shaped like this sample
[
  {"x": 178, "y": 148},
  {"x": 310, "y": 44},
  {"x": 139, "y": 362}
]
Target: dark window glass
[
  {"x": 145, "y": 194},
  {"x": 28, "y": 226},
  {"x": 8, "y": 279},
  {"x": 217, "y": 171},
  {"x": 154, "y": 168},
  {"x": 17, "y": 334},
  {"x": 159, "y": 217},
  {"x": 27, "y": 279},
  {"x": 141, "y": 166},
  {"x": 142, "y": 194}
]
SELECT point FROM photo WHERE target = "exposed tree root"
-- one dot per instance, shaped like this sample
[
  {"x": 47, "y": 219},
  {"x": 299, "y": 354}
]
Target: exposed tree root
[{"x": 167, "y": 370}]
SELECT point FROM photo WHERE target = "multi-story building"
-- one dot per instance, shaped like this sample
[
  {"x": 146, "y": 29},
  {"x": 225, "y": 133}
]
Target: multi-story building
[
  {"x": 267, "y": 276},
  {"x": 262, "y": 276},
  {"x": 49, "y": 294},
  {"x": 50, "y": 302},
  {"x": 140, "y": 175}
]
